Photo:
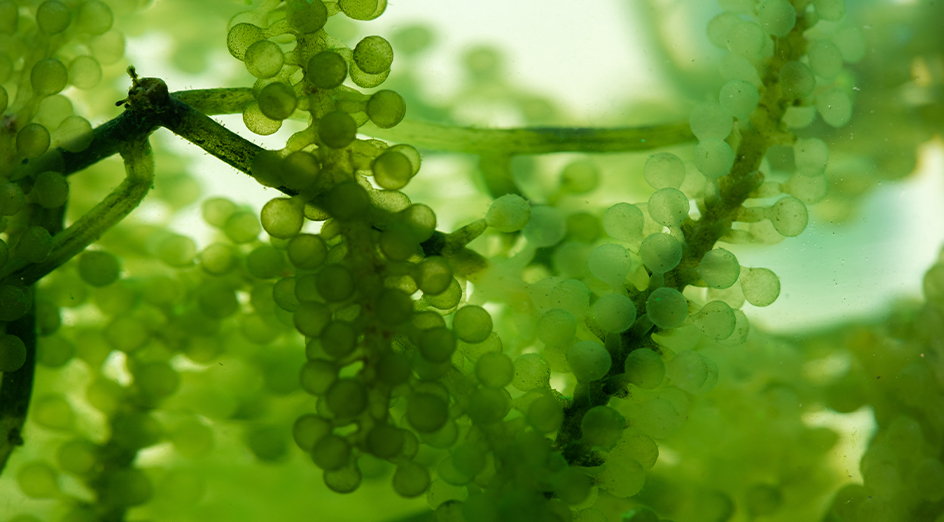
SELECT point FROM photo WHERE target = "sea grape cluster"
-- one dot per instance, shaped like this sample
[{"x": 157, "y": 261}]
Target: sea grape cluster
[{"x": 542, "y": 362}]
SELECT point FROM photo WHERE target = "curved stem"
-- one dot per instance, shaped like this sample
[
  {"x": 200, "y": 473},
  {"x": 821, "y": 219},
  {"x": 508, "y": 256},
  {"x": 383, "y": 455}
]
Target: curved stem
[{"x": 139, "y": 166}]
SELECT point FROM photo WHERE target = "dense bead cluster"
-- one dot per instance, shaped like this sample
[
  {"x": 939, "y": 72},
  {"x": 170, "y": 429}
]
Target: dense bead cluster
[{"x": 545, "y": 362}]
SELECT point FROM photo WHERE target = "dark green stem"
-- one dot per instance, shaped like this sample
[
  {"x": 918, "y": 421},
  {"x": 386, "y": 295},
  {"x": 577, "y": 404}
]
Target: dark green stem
[{"x": 17, "y": 387}]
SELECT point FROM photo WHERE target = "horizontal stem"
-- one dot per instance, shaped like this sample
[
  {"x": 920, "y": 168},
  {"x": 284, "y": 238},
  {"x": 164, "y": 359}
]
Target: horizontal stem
[{"x": 536, "y": 140}]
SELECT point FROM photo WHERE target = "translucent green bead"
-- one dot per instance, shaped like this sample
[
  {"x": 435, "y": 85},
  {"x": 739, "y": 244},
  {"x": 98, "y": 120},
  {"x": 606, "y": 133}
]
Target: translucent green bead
[
  {"x": 331, "y": 452},
  {"x": 373, "y": 55},
  {"x": 614, "y": 313},
  {"x": 714, "y": 158},
  {"x": 545, "y": 414},
  {"x": 192, "y": 438},
  {"x": 580, "y": 177},
  {"x": 306, "y": 16},
  {"x": 32, "y": 140},
  {"x": 796, "y": 80},
  {"x": 589, "y": 361},
  {"x": 386, "y": 108},
  {"x": 326, "y": 70},
  {"x": 53, "y": 17},
  {"x": 265, "y": 262},
  {"x": 739, "y": 97},
  {"x": 35, "y": 244},
  {"x": 623, "y": 221},
  {"x": 789, "y": 216},
  {"x": 49, "y": 76},
  {"x": 335, "y": 283},
  {"x": 738, "y": 6},
  {"x": 347, "y": 397},
  {"x": 337, "y": 129},
  {"x": 282, "y": 217},
  {"x": 831, "y": 10},
  {"x": 716, "y": 320},
  {"x": 12, "y": 353},
  {"x": 437, "y": 344},
  {"x": 157, "y": 380},
  {"x": 710, "y": 120},
  {"x": 777, "y": 17},
  {"x": 494, "y": 370},
  {"x": 38, "y": 480},
  {"x": 77, "y": 456},
  {"x": 546, "y": 226},
  {"x": 277, "y": 100},
  {"x": 393, "y": 307},
  {"x": 746, "y": 39},
  {"x": 242, "y": 226},
  {"x": 108, "y": 48},
  {"x": 644, "y": 368},
  {"x": 667, "y": 308},
  {"x": 318, "y": 375},
  {"x": 509, "y": 213},
  {"x": 835, "y": 107},
  {"x": 426, "y": 412},
  {"x": 216, "y": 211},
  {"x": 472, "y": 324},
  {"x": 660, "y": 252},
  {"x": 760, "y": 285},
  {"x": 50, "y": 190},
  {"x": 411, "y": 479},
  {"x": 665, "y": 170},
  {"x": 363, "y": 9},
  {"x": 94, "y": 17},
  {"x": 825, "y": 59},
  {"x": 602, "y": 426},
  {"x": 692, "y": 372},
  {"x": 240, "y": 37},
  {"x": 719, "y": 268},
  {"x": 719, "y": 26},
  {"x": 668, "y": 207},
  {"x": 99, "y": 268},
  {"x": 811, "y": 156},
  {"x": 851, "y": 44},
  {"x": 74, "y": 134},
  {"x": 264, "y": 59},
  {"x": 346, "y": 201},
  {"x": 307, "y": 251},
  {"x": 392, "y": 170},
  {"x": 176, "y": 250}
]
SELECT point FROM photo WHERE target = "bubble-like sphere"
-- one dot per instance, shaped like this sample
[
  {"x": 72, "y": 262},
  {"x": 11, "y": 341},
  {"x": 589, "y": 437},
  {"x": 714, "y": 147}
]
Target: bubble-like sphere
[
  {"x": 546, "y": 226},
  {"x": 739, "y": 97},
  {"x": 761, "y": 286},
  {"x": 668, "y": 207},
  {"x": 589, "y": 361},
  {"x": 660, "y": 252},
  {"x": 789, "y": 216},
  {"x": 719, "y": 268},
  {"x": 667, "y": 308},
  {"x": 714, "y": 158},
  {"x": 624, "y": 222},
  {"x": 614, "y": 313}
]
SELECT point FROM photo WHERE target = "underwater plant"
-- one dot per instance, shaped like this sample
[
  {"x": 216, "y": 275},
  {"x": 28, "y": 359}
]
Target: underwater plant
[{"x": 434, "y": 317}]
